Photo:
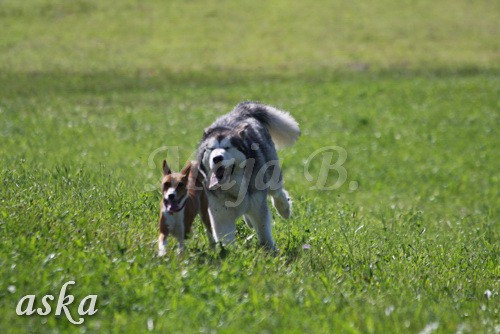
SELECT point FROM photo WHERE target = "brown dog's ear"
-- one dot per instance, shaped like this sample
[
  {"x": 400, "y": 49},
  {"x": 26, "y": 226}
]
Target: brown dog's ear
[
  {"x": 185, "y": 171},
  {"x": 240, "y": 129},
  {"x": 166, "y": 169}
]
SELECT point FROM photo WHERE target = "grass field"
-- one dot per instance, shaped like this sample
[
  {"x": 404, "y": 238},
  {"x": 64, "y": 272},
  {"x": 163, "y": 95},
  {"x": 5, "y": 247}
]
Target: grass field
[{"x": 92, "y": 92}]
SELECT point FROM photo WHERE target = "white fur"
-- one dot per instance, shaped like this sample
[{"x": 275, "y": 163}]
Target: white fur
[
  {"x": 162, "y": 246},
  {"x": 224, "y": 210},
  {"x": 223, "y": 148},
  {"x": 256, "y": 214},
  {"x": 282, "y": 202},
  {"x": 170, "y": 191}
]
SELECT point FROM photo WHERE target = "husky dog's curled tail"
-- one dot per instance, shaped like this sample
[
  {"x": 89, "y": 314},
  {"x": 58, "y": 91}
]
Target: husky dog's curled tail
[{"x": 282, "y": 126}]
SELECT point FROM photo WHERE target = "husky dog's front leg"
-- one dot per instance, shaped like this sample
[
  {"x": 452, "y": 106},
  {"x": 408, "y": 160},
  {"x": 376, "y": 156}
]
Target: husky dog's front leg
[
  {"x": 260, "y": 218},
  {"x": 223, "y": 220}
]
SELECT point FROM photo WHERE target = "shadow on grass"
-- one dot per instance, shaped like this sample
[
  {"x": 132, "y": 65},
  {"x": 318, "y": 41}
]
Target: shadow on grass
[{"x": 62, "y": 82}]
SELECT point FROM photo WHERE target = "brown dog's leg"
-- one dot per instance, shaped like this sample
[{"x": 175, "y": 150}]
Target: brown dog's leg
[{"x": 162, "y": 239}]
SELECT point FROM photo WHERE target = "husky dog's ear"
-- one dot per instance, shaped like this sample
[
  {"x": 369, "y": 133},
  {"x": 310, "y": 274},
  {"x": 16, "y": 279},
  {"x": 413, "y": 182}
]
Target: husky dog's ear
[
  {"x": 185, "y": 171},
  {"x": 166, "y": 169},
  {"x": 206, "y": 131},
  {"x": 241, "y": 129}
]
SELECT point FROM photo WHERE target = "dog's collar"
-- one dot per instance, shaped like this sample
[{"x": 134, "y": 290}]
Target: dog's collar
[{"x": 171, "y": 212}]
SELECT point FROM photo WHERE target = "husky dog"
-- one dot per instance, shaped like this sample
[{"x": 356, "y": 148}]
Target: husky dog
[{"x": 238, "y": 156}]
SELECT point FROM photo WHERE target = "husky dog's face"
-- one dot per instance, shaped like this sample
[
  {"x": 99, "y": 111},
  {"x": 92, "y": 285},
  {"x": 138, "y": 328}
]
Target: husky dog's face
[
  {"x": 174, "y": 187},
  {"x": 222, "y": 156}
]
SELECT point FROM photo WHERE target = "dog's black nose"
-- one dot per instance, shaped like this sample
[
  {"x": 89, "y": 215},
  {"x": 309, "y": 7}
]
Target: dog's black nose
[
  {"x": 171, "y": 196},
  {"x": 217, "y": 159}
]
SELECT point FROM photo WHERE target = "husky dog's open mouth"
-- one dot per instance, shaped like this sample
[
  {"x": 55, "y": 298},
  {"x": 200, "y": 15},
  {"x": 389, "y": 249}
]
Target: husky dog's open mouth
[{"x": 220, "y": 175}]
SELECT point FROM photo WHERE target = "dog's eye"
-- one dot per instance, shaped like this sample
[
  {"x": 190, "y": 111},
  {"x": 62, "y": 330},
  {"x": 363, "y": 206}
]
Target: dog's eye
[{"x": 180, "y": 184}]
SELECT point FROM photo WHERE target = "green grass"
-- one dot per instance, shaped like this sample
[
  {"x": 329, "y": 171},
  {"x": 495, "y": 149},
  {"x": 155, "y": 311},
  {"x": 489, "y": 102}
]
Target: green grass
[
  {"x": 90, "y": 93},
  {"x": 273, "y": 36}
]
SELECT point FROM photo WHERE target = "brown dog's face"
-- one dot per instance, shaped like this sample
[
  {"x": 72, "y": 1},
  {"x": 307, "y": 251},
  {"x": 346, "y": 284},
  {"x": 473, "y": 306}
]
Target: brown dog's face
[{"x": 174, "y": 187}]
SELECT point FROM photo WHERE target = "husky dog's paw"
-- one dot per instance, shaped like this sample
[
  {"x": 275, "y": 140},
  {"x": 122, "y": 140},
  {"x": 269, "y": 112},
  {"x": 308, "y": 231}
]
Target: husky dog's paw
[
  {"x": 162, "y": 252},
  {"x": 283, "y": 204}
]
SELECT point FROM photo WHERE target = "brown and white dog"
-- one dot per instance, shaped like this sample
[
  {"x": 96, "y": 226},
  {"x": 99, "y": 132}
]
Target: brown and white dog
[{"x": 183, "y": 197}]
